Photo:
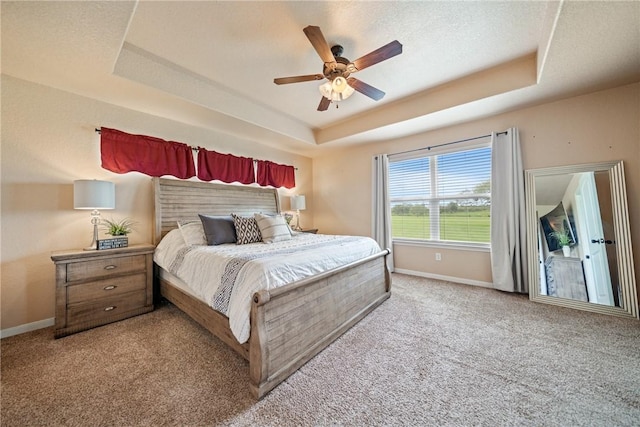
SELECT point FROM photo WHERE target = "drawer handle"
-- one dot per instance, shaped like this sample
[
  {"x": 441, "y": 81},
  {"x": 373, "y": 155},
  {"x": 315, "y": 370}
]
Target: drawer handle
[
  {"x": 109, "y": 288},
  {"x": 110, "y": 267},
  {"x": 111, "y": 307}
]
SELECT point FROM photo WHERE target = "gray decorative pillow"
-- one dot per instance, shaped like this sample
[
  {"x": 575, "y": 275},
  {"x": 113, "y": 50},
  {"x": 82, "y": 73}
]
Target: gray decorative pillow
[
  {"x": 247, "y": 230},
  {"x": 218, "y": 229},
  {"x": 272, "y": 228}
]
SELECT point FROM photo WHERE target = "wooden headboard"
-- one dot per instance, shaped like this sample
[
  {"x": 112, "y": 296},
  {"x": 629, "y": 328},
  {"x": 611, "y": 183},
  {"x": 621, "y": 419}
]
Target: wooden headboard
[{"x": 183, "y": 200}]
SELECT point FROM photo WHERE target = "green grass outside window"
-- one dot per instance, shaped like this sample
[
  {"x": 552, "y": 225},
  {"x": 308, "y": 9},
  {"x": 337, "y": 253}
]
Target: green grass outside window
[{"x": 472, "y": 226}]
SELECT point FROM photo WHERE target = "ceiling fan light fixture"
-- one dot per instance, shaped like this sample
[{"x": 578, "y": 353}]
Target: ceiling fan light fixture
[
  {"x": 339, "y": 84},
  {"x": 328, "y": 91},
  {"x": 347, "y": 92}
]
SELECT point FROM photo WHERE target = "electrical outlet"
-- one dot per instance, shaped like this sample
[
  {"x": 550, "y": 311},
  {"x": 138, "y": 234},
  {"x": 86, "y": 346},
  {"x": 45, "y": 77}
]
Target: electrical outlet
[{"x": 438, "y": 256}]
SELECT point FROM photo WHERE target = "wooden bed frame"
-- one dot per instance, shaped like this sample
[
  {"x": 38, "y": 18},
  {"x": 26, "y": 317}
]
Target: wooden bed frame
[{"x": 289, "y": 324}]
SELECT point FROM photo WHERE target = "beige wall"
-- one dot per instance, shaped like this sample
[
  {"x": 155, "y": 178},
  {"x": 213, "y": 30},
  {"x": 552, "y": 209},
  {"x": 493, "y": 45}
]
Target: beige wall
[
  {"x": 597, "y": 127},
  {"x": 48, "y": 141}
]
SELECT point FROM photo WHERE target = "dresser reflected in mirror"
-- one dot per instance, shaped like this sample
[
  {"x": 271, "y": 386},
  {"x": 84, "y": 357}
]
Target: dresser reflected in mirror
[{"x": 578, "y": 238}]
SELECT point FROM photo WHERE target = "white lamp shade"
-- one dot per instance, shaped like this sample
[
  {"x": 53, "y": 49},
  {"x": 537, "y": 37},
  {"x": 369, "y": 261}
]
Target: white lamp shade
[
  {"x": 298, "y": 203},
  {"x": 93, "y": 194}
]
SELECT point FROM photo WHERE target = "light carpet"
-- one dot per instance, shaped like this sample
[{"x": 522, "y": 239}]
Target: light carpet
[{"x": 436, "y": 353}]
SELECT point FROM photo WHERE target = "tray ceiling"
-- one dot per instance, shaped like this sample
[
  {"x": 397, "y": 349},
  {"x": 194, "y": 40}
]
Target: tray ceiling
[{"x": 212, "y": 64}]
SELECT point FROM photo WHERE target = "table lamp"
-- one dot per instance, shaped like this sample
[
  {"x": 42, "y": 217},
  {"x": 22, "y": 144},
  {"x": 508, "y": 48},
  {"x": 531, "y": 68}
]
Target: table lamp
[
  {"x": 93, "y": 194},
  {"x": 298, "y": 204}
]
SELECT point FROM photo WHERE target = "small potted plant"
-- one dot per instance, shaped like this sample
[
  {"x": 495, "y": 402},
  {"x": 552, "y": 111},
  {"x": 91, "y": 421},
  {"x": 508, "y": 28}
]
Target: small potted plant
[
  {"x": 288, "y": 217},
  {"x": 564, "y": 240},
  {"x": 118, "y": 229}
]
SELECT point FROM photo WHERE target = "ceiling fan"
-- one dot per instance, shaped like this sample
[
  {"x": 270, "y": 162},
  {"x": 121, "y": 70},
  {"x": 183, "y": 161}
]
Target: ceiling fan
[{"x": 337, "y": 70}]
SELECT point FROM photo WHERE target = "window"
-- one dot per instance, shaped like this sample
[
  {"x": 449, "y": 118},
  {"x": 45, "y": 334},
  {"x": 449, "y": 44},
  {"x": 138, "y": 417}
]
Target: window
[{"x": 442, "y": 197}]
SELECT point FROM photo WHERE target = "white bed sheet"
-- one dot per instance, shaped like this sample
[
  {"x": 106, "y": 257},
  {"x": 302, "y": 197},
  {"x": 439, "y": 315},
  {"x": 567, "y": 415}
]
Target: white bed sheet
[{"x": 226, "y": 276}]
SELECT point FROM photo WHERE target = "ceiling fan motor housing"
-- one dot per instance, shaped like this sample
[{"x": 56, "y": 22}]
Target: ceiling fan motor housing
[{"x": 340, "y": 69}]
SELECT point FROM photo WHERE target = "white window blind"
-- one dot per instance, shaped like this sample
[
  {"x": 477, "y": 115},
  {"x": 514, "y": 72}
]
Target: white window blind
[{"x": 442, "y": 197}]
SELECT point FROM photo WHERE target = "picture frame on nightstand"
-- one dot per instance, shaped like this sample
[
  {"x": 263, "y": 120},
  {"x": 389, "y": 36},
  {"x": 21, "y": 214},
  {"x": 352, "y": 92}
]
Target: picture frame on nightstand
[{"x": 113, "y": 243}]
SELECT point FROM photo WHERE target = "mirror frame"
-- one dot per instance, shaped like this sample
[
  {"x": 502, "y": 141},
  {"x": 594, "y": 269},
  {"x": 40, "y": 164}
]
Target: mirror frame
[{"x": 629, "y": 299}]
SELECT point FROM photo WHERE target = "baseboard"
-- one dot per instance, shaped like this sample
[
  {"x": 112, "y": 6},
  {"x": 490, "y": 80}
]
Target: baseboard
[
  {"x": 16, "y": 330},
  {"x": 446, "y": 278}
]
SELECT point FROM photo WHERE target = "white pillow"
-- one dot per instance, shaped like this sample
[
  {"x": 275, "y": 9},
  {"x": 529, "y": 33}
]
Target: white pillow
[
  {"x": 192, "y": 233},
  {"x": 273, "y": 228},
  {"x": 168, "y": 246}
]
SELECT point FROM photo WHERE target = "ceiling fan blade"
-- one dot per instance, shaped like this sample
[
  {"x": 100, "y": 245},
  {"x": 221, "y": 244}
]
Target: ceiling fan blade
[
  {"x": 324, "y": 104},
  {"x": 297, "y": 79},
  {"x": 320, "y": 44},
  {"x": 385, "y": 52},
  {"x": 365, "y": 89}
]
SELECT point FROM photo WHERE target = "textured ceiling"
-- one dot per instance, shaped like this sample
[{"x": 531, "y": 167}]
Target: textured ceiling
[{"x": 212, "y": 64}]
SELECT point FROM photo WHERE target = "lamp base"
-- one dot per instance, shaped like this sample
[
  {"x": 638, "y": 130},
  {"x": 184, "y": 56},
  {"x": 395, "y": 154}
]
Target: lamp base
[
  {"x": 95, "y": 219},
  {"x": 297, "y": 226},
  {"x": 92, "y": 247}
]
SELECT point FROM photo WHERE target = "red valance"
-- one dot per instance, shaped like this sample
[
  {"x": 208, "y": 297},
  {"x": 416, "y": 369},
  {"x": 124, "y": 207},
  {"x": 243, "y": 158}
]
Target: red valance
[
  {"x": 225, "y": 167},
  {"x": 123, "y": 152},
  {"x": 276, "y": 175}
]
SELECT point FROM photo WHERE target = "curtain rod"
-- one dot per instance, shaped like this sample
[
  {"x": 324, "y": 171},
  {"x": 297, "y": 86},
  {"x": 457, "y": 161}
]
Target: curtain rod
[
  {"x": 193, "y": 148},
  {"x": 447, "y": 143}
]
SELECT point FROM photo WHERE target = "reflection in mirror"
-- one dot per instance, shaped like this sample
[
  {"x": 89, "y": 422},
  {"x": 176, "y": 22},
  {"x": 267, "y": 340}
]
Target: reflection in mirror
[{"x": 579, "y": 247}]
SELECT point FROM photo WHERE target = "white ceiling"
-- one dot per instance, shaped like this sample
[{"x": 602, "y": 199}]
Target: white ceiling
[{"x": 212, "y": 64}]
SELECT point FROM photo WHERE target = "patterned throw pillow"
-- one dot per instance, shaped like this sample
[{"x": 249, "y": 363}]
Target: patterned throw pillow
[
  {"x": 247, "y": 230},
  {"x": 272, "y": 228}
]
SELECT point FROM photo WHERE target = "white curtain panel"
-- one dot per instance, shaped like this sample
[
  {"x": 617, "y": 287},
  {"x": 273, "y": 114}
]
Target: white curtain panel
[
  {"x": 508, "y": 226},
  {"x": 381, "y": 209}
]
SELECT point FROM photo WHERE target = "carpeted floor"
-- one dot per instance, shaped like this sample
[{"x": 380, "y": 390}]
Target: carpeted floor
[{"x": 435, "y": 353}]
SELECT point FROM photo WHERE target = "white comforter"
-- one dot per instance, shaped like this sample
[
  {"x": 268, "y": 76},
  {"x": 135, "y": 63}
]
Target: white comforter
[{"x": 226, "y": 276}]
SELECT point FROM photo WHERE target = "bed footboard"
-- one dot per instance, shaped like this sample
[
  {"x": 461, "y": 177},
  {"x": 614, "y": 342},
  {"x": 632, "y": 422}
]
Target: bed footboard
[{"x": 291, "y": 324}]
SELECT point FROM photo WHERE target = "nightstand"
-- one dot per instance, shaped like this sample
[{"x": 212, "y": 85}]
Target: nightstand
[
  {"x": 309, "y": 230},
  {"x": 94, "y": 288}
]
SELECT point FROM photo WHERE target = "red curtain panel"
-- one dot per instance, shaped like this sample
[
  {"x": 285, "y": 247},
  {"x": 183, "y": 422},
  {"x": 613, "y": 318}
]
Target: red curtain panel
[
  {"x": 225, "y": 167},
  {"x": 122, "y": 152},
  {"x": 276, "y": 175}
]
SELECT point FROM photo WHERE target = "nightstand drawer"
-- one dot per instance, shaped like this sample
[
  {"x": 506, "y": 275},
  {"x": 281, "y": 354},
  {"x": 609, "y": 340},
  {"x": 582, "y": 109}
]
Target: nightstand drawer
[
  {"x": 99, "y": 311},
  {"x": 104, "y": 267},
  {"x": 105, "y": 288}
]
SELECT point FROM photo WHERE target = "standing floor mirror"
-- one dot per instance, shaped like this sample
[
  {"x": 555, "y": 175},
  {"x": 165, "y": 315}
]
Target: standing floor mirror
[{"x": 578, "y": 238}]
